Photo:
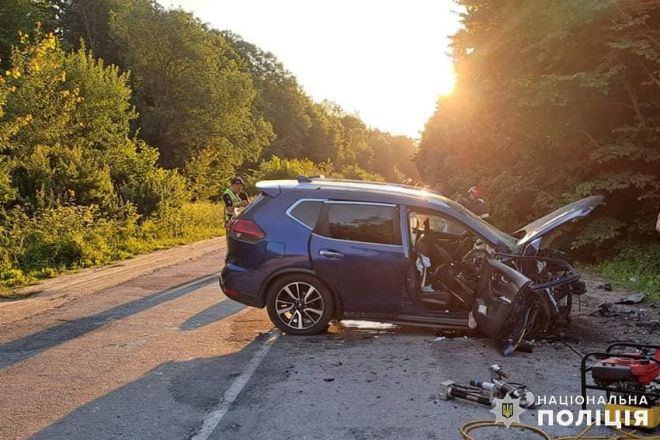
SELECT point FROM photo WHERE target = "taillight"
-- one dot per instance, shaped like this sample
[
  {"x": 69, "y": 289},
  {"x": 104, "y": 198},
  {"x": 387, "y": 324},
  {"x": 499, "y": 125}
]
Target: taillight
[{"x": 246, "y": 229}]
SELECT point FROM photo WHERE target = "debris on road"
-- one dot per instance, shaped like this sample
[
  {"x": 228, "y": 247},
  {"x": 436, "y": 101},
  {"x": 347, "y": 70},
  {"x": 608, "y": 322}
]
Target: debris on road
[
  {"x": 607, "y": 309},
  {"x": 634, "y": 298},
  {"x": 605, "y": 286},
  {"x": 439, "y": 338}
]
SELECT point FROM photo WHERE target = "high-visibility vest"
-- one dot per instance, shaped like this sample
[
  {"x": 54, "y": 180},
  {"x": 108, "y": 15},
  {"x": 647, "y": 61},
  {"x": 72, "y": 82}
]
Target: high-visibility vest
[{"x": 235, "y": 200}]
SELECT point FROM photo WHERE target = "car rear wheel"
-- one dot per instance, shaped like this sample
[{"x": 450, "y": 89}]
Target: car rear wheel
[{"x": 299, "y": 304}]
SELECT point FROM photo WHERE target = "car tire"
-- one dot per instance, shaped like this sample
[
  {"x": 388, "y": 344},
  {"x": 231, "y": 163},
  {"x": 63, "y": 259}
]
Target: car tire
[{"x": 299, "y": 304}]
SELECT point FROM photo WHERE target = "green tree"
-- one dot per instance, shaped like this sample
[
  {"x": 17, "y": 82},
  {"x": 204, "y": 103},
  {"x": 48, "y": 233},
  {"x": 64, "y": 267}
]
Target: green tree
[
  {"x": 7, "y": 191},
  {"x": 280, "y": 99},
  {"x": 88, "y": 21},
  {"x": 277, "y": 168},
  {"x": 65, "y": 131},
  {"x": 392, "y": 156},
  {"x": 206, "y": 175},
  {"x": 353, "y": 147},
  {"x": 51, "y": 163},
  {"x": 554, "y": 101},
  {"x": 23, "y": 16},
  {"x": 190, "y": 91}
]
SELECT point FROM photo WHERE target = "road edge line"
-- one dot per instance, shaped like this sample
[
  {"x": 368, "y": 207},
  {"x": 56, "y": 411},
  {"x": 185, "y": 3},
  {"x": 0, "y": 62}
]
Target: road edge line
[{"x": 213, "y": 419}]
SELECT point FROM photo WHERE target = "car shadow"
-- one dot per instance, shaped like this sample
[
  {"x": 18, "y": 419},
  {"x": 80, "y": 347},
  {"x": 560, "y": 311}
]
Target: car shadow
[
  {"x": 169, "y": 401},
  {"x": 28, "y": 346},
  {"x": 215, "y": 313}
]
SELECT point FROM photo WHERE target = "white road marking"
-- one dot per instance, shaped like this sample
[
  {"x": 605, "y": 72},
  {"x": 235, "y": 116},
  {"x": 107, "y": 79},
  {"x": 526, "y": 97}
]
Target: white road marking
[{"x": 212, "y": 420}]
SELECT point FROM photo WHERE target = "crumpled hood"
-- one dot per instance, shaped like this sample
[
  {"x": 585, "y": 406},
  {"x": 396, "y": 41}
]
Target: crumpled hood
[{"x": 557, "y": 218}]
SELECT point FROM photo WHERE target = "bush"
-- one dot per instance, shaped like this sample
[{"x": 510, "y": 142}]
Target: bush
[
  {"x": 67, "y": 237},
  {"x": 277, "y": 168},
  {"x": 71, "y": 237},
  {"x": 637, "y": 268},
  {"x": 144, "y": 184},
  {"x": 354, "y": 172}
]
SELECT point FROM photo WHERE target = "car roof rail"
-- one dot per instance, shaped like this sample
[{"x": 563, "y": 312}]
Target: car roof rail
[
  {"x": 370, "y": 182},
  {"x": 330, "y": 180},
  {"x": 305, "y": 179}
]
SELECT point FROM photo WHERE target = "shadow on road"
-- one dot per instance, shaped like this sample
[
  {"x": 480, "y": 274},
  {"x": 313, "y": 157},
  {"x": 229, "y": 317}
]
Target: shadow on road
[
  {"x": 169, "y": 401},
  {"x": 28, "y": 346},
  {"x": 215, "y": 313}
]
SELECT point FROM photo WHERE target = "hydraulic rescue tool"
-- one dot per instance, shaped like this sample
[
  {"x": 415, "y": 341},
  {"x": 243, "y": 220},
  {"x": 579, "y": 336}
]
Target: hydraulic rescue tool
[{"x": 484, "y": 392}]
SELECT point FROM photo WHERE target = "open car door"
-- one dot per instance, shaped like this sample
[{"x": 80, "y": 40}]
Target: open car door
[{"x": 506, "y": 305}]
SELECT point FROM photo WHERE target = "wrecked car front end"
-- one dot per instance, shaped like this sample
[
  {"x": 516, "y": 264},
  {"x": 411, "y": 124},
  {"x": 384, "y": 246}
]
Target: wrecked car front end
[{"x": 529, "y": 290}]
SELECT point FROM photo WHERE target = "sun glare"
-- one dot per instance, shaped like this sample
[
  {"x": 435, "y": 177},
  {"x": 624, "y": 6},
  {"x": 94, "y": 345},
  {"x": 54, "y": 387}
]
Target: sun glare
[
  {"x": 447, "y": 82},
  {"x": 390, "y": 70}
]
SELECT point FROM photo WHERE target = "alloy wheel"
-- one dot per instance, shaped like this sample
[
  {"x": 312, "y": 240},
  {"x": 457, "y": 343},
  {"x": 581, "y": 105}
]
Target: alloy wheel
[{"x": 299, "y": 305}]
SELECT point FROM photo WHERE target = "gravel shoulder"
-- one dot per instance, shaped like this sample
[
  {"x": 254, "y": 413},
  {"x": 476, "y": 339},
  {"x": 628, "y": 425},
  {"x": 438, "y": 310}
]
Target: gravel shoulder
[{"x": 58, "y": 291}]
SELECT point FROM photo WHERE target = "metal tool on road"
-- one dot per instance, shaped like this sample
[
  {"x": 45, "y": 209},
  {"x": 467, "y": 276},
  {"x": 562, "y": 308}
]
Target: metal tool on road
[{"x": 485, "y": 392}]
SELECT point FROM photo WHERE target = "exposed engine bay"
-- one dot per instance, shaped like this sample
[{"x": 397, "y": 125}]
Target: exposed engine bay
[{"x": 510, "y": 297}]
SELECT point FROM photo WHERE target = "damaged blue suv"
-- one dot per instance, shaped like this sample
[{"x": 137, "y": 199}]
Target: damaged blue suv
[{"x": 313, "y": 250}]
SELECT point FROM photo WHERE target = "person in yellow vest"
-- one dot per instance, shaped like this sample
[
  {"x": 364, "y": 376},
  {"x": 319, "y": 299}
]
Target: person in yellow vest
[{"x": 234, "y": 198}]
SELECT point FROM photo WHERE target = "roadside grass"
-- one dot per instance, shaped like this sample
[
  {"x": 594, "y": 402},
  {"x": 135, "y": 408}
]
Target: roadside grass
[
  {"x": 636, "y": 268},
  {"x": 70, "y": 240}
]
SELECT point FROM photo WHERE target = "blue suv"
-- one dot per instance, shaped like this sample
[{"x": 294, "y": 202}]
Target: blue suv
[{"x": 313, "y": 250}]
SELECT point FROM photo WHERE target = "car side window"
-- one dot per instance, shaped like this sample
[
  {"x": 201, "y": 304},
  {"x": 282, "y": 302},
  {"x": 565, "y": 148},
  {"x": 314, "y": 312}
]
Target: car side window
[
  {"x": 307, "y": 212},
  {"x": 420, "y": 221},
  {"x": 363, "y": 222}
]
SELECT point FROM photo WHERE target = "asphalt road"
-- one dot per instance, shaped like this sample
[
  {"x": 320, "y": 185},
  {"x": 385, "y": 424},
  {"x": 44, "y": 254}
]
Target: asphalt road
[{"x": 151, "y": 349}]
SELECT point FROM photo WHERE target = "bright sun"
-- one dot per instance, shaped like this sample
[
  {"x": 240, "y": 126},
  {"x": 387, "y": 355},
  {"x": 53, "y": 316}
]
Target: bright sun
[
  {"x": 389, "y": 61},
  {"x": 446, "y": 82}
]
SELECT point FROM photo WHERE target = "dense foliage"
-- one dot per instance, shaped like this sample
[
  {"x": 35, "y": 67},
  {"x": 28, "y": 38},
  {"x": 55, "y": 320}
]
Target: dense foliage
[
  {"x": 209, "y": 97},
  {"x": 554, "y": 101},
  {"x": 75, "y": 189},
  {"x": 115, "y": 115},
  {"x": 635, "y": 267}
]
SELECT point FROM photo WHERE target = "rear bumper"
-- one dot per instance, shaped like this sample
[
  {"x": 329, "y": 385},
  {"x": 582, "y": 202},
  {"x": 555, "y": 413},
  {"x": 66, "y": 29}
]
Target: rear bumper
[{"x": 242, "y": 285}]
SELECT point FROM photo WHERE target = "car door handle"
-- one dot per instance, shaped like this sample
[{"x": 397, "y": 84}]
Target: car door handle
[{"x": 331, "y": 254}]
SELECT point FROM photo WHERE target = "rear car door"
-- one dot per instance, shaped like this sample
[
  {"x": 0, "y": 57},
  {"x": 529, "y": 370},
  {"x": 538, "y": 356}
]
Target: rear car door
[{"x": 356, "y": 248}]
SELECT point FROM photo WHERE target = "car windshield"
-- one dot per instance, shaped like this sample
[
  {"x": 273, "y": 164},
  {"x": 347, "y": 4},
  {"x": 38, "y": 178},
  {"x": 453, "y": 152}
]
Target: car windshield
[{"x": 461, "y": 211}]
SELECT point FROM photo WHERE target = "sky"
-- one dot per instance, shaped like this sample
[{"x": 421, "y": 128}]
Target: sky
[{"x": 386, "y": 60}]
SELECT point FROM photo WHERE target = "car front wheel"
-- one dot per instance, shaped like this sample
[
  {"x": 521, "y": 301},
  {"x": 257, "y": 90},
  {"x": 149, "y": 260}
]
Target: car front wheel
[{"x": 299, "y": 304}]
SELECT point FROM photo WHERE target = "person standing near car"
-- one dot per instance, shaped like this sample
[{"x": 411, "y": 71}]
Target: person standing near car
[
  {"x": 243, "y": 196},
  {"x": 232, "y": 199},
  {"x": 475, "y": 203}
]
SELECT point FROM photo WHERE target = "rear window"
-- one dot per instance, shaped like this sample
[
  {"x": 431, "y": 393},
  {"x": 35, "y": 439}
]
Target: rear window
[
  {"x": 254, "y": 204},
  {"x": 307, "y": 212},
  {"x": 363, "y": 222}
]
